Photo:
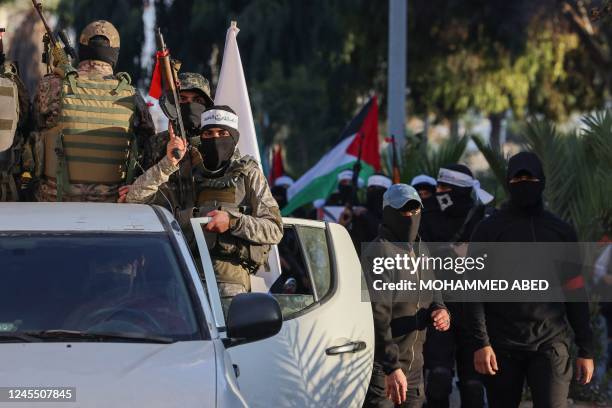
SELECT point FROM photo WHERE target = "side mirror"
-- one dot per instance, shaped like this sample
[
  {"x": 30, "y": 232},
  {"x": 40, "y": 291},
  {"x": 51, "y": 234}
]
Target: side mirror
[{"x": 252, "y": 317}]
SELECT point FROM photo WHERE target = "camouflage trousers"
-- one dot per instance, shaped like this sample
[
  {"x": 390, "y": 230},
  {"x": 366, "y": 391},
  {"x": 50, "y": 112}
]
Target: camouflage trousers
[
  {"x": 230, "y": 289},
  {"x": 95, "y": 193}
]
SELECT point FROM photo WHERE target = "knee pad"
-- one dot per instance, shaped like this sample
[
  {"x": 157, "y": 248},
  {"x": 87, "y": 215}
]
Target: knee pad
[{"x": 439, "y": 383}]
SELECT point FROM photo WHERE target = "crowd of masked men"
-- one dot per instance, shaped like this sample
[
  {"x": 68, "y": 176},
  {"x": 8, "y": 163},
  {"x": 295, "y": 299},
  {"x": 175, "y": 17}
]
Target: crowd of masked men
[
  {"x": 490, "y": 350},
  {"x": 88, "y": 137}
]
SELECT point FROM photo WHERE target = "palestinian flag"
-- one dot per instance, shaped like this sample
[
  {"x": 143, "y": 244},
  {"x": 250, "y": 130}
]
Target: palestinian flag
[{"x": 321, "y": 180}]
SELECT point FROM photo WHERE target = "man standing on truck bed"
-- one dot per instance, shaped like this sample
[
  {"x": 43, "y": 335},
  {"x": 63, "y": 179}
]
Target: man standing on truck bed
[
  {"x": 232, "y": 190},
  {"x": 91, "y": 124}
]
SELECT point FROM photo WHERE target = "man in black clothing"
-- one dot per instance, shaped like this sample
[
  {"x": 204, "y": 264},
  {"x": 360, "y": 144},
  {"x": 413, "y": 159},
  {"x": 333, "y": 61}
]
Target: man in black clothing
[
  {"x": 459, "y": 209},
  {"x": 363, "y": 222},
  {"x": 400, "y": 324},
  {"x": 426, "y": 187},
  {"x": 518, "y": 341}
]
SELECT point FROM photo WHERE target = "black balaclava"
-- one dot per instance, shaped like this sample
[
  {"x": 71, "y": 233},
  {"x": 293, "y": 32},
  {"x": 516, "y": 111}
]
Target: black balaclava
[
  {"x": 98, "y": 48},
  {"x": 280, "y": 195},
  {"x": 191, "y": 114},
  {"x": 345, "y": 191},
  {"x": 374, "y": 199},
  {"x": 404, "y": 229},
  {"x": 430, "y": 202},
  {"x": 526, "y": 195},
  {"x": 458, "y": 201},
  {"x": 218, "y": 151}
]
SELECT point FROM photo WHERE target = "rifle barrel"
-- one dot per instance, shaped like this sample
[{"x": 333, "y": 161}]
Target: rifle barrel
[{"x": 38, "y": 7}]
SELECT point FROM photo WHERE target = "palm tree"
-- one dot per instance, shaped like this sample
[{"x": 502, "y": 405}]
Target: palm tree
[
  {"x": 422, "y": 158},
  {"x": 578, "y": 167}
]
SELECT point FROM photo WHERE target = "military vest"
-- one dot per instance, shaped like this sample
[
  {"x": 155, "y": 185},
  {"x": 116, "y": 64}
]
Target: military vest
[
  {"x": 9, "y": 122},
  {"x": 93, "y": 140},
  {"x": 228, "y": 193},
  {"x": 9, "y": 111}
]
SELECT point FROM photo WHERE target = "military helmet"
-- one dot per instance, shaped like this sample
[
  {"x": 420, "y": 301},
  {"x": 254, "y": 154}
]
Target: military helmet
[
  {"x": 102, "y": 28},
  {"x": 190, "y": 81}
]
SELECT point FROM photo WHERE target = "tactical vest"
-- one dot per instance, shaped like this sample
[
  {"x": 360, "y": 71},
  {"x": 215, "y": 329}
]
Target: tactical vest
[
  {"x": 228, "y": 193},
  {"x": 9, "y": 120},
  {"x": 9, "y": 111},
  {"x": 93, "y": 140}
]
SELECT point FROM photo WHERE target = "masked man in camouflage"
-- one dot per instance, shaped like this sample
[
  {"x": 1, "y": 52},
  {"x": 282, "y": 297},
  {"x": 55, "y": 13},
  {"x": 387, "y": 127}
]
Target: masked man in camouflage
[
  {"x": 91, "y": 124},
  {"x": 194, "y": 100},
  {"x": 232, "y": 190},
  {"x": 15, "y": 154}
]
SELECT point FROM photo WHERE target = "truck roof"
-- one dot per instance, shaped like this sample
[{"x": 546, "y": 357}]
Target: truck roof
[{"x": 81, "y": 217}]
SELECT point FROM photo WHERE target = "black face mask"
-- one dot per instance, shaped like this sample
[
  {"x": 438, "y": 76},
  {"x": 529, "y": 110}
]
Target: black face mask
[
  {"x": 191, "y": 114},
  {"x": 217, "y": 151},
  {"x": 404, "y": 229},
  {"x": 430, "y": 202},
  {"x": 526, "y": 194},
  {"x": 99, "y": 53},
  {"x": 374, "y": 199},
  {"x": 346, "y": 192},
  {"x": 280, "y": 195},
  {"x": 456, "y": 202}
]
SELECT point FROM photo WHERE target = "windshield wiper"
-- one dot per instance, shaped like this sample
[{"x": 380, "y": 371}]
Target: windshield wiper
[
  {"x": 100, "y": 336},
  {"x": 24, "y": 337}
]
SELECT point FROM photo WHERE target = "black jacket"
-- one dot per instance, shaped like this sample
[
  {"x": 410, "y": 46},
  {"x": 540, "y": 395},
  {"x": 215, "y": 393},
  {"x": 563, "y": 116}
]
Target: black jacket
[
  {"x": 527, "y": 326},
  {"x": 400, "y": 326},
  {"x": 441, "y": 226}
]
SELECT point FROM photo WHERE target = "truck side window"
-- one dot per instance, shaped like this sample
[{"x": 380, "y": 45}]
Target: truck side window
[
  {"x": 314, "y": 242},
  {"x": 305, "y": 269}
]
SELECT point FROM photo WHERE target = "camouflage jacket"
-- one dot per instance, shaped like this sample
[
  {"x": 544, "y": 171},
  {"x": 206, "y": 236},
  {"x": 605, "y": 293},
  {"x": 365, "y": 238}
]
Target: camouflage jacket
[
  {"x": 46, "y": 111},
  {"x": 263, "y": 224},
  {"x": 255, "y": 219}
]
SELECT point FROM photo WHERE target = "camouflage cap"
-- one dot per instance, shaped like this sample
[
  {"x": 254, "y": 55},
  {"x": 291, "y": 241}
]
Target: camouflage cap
[
  {"x": 102, "y": 28},
  {"x": 190, "y": 81}
]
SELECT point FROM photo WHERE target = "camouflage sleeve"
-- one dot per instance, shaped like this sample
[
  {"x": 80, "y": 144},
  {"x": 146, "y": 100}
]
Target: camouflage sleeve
[
  {"x": 154, "y": 149},
  {"x": 142, "y": 123},
  {"x": 264, "y": 225},
  {"x": 145, "y": 187},
  {"x": 46, "y": 107}
]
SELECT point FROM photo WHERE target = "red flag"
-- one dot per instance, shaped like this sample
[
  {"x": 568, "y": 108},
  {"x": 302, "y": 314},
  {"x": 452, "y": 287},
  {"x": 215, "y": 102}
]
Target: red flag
[
  {"x": 277, "y": 169},
  {"x": 366, "y": 122},
  {"x": 155, "y": 89}
]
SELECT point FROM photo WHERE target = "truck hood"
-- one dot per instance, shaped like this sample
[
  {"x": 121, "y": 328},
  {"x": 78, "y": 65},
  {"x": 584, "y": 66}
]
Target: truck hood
[{"x": 116, "y": 375}]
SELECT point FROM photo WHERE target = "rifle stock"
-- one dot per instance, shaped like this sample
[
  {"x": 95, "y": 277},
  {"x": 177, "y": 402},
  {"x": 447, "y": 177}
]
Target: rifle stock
[{"x": 169, "y": 82}]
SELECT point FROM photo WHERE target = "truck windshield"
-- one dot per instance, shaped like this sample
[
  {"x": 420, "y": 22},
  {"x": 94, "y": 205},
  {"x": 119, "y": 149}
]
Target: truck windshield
[{"x": 127, "y": 284}]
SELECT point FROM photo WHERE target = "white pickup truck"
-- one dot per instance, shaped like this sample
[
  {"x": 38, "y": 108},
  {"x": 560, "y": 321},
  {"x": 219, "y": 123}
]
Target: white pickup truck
[{"x": 106, "y": 300}]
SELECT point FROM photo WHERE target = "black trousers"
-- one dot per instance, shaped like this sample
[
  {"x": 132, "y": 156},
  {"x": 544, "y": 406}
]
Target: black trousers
[
  {"x": 548, "y": 373},
  {"x": 445, "y": 350},
  {"x": 376, "y": 398}
]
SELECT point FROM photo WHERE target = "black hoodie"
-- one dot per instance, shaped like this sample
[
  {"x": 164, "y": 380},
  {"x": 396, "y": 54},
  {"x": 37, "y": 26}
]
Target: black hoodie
[{"x": 527, "y": 326}]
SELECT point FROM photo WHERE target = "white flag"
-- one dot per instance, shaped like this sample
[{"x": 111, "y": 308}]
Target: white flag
[{"x": 232, "y": 91}]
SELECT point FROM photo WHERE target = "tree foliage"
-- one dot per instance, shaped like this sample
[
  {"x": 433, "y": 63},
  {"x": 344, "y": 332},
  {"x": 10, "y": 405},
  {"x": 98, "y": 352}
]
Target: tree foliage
[
  {"x": 309, "y": 65},
  {"x": 578, "y": 169},
  {"x": 126, "y": 16}
]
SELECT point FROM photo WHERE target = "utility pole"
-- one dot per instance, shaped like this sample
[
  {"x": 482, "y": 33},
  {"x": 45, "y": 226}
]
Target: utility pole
[{"x": 396, "y": 93}]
